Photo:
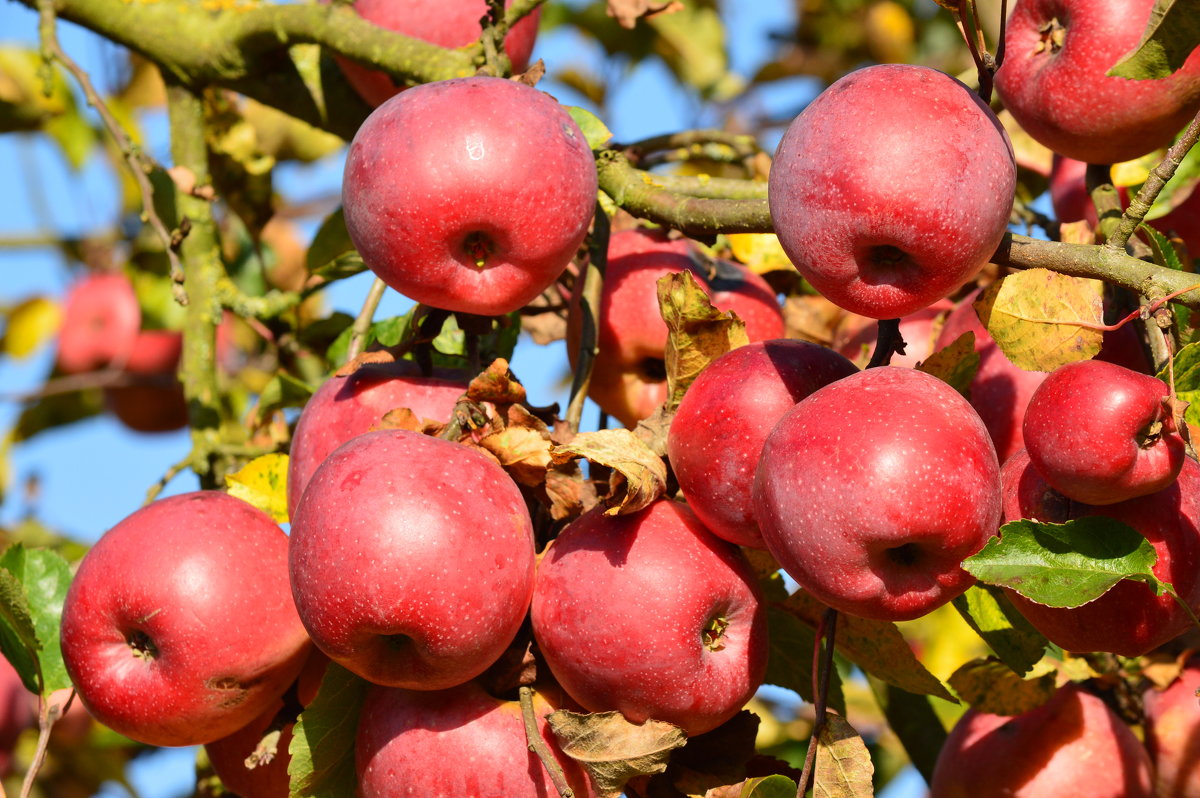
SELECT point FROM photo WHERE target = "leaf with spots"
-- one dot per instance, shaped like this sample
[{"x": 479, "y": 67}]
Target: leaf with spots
[
  {"x": 843, "y": 766},
  {"x": 612, "y": 749},
  {"x": 1042, "y": 319},
  {"x": 262, "y": 483},
  {"x": 322, "y": 748},
  {"x": 698, "y": 333},
  {"x": 1186, "y": 366},
  {"x": 496, "y": 384},
  {"x": 639, "y": 476},
  {"x": 988, "y": 685},
  {"x": 955, "y": 364}
]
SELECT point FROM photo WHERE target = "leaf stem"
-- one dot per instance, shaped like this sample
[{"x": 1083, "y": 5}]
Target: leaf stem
[
  {"x": 822, "y": 667},
  {"x": 538, "y": 746}
]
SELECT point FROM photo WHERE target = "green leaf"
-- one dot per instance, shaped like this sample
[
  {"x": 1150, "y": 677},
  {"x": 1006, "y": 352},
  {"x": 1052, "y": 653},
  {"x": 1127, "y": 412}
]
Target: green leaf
[
  {"x": 1039, "y": 318},
  {"x": 1065, "y": 565},
  {"x": 347, "y": 264},
  {"x": 18, "y": 636},
  {"x": 331, "y": 241},
  {"x": 691, "y": 42},
  {"x": 789, "y": 663},
  {"x": 322, "y": 746},
  {"x": 843, "y": 766},
  {"x": 1171, "y": 33},
  {"x": 915, "y": 722},
  {"x": 56, "y": 410},
  {"x": 1187, "y": 380},
  {"x": 990, "y": 686},
  {"x": 1164, "y": 252},
  {"x": 595, "y": 132},
  {"x": 44, "y": 577},
  {"x": 1179, "y": 188},
  {"x": 283, "y": 390},
  {"x": 776, "y": 786},
  {"x": 955, "y": 364},
  {"x": 993, "y": 617}
]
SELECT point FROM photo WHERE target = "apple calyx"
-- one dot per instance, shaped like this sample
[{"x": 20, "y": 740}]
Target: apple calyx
[
  {"x": 713, "y": 635},
  {"x": 1054, "y": 33},
  {"x": 478, "y": 247},
  {"x": 142, "y": 646},
  {"x": 1150, "y": 434}
]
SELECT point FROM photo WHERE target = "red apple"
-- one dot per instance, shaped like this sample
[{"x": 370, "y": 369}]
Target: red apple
[
  {"x": 1173, "y": 734},
  {"x": 456, "y": 742},
  {"x": 101, "y": 318},
  {"x": 446, "y": 23},
  {"x": 1053, "y": 80},
  {"x": 412, "y": 559},
  {"x": 17, "y": 713},
  {"x": 157, "y": 403},
  {"x": 442, "y": 180},
  {"x": 1100, "y": 433},
  {"x": 347, "y": 406},
  {"x": 178, "y": 627},
  {"x": 856, "y": 335},
  {"x": 718, "y": 432},
  {"x": 1072, "y": 745},
  {"x": 1129, "y": 619},
  {"x": 859, "y": 196},
  {"x": 872, "y": 491},
  {"x": 652, "y": 615},
  {"x": 629, "y": 377}
]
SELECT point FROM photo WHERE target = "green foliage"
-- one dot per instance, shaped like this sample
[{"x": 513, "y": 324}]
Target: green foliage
[
  {"x": 322, "y": 746},
  {"x": 33, "y": 585},
  {"x": 1172, "y": 33},
  {"x": 1186, "y": 366},
  {"x": 993, "y": 617}
]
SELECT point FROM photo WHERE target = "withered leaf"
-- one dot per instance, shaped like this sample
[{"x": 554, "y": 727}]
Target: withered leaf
[
  {"x": 955, "y": 364},
  {"x": 698, "y": 333},
  {"x": 1039, "y": 318},
  {"x": 521, "y": 442},
  {"x": 843, "y": 766},
  {"x": 612, "y": 749},
  {"x": 639, "y": 476},
  {"x": 989, "y": 685},
  {"x": 627, "y": 12},
  {"x": 496, "y": 384}
]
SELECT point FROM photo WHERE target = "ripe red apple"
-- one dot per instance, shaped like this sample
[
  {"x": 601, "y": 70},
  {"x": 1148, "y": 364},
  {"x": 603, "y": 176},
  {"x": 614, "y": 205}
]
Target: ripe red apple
[
  {"x": 101, "y": 317},
  {"x": 859, "y": 198},
  {"x": 347, "y": 406},
  {"x": 17, "y": 713},
  {"x": 872, "y": 491},
  {"x": 442, "y": 180},
  {"x": 629, "y": 377},
  {"x": 856, "y": 336},
  {"x": 1053, "y": 80},
  {"x": 158, "y": 404},
  {"x": 1173, "y": 734},
  {"x": 1129, "y": 619},
  {"x": 446, "y": 23},
  {"x": 178, "y": 627},
  {"x": 1100, "y": 433},
  {"x": 718, "y": 431},
  {"x": 412, "y": 559},
  {"x": 455, "y": 742},
  {"x": 652, "y": 615},
  {"x": 1072, "y": 745}
]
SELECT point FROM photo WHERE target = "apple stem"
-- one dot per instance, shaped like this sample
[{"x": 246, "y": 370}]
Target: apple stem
[
  {"x": 889, "y": 342},
  {"x": 822, "y": 667},
  {"x": 362, "y": 323},
  {"x": 538, "y": 746}
]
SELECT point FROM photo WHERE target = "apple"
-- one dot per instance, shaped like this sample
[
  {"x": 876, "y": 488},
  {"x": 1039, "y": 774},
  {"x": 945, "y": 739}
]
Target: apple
[
  {"x": 859, "y": 196},
  {"x": 856, "y": 336},
  {"x": 17, "y": 713},
  {"x": 446, "y": 23},
  {"x": 629, "y": 375},
  {"x": 1072, "y": 745},
  {"x": 1100, "y": 433},
  {"x": 412, "y": 559},
  {"x": 156, "y": 403},
  {"x": 718, "y": 431},
  {"x": 652, "y": 615},
  {"x": 347, "y": 406},
  {"x": 1173, "y": 733},
  {"x": 872, "y": 491},
  {"x": 101, "y": 317},
  {"x": 455, "y": 742},
  {"x": 442, "y": 180},
  {"x": 1129, "y": 619},
  {"x": 1056, "y": 54},
  {"x": 178, "y": 627}
]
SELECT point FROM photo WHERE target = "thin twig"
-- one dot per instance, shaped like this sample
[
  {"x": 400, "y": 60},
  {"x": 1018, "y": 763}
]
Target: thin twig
[
  {"x": 1160, "y": 175},
  {"x": 170, "y": 474},
  {"x": 139, "y": 163},
  {"x": 48, "y": 715},
  {"x": 536, "y": 744},
  {"x": 822, "y": 665},
  {"x": 358, "y": 332},
  {"x": 589, "y": 287}
]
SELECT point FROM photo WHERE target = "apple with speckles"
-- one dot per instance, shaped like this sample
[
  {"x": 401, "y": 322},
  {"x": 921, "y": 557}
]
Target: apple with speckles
[
  {"x": 442, "y": 180},
  {"x": 718, "y": 431},
  {"x": 179, "y": 627},
  {"x": 411, "y": 559},
  {"x": 872, "y": 491},
  {"x": 652, "y": 615},
  {"x": 856, "y": 336},
  {"x": 859, "y": 194}
]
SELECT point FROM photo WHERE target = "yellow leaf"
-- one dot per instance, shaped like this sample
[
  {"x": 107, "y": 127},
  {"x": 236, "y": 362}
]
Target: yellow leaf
[
  {"x": 843, "y": 766},
  {"x": 30, "y": 324},
  {"x": 954, "y": 364},
  {"x": 989, "y": 685},
  {"x": 263, "y": 483},
  {"x": 760, "y": 252},
  {"x": 1042, "y": 320},
  {"x": 612, "y": 749},
  {"x": 639, "y": 475},
  {"x": 1135, "y": 172}
]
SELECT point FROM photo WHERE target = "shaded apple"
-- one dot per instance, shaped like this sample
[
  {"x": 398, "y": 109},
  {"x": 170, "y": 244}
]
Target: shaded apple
[
  {"x": 652, "y": 615},
  {"x": 859, "y": 194},
  {"x": 100, "y": 321},
  {"x": 871, "y": 492},
  {"x": 154, "y": 402},
  {"x": 442, "y": 180},
  {"x": 1173, "y": 733},
  {"x": 718, "y": 431},
  {"x": 178, "y": 627}
]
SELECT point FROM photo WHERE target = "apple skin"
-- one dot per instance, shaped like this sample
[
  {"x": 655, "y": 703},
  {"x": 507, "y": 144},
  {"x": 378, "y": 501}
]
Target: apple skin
[
  {"x": 841, "y": 509},
  {"x": 1173, "y": 734},
  {"x": 101, "y": 318},
  {"x": 347, "y": 406},
  {"x": 446, "y": 23},
  {"x": 455, "y": 742},
  {"x": 629, "y": 379},
  {"x": 719, "y": 429},
  {"x": 1072, "y": 745},
  {"x": 412, "y": 559},
  {"x": 1084, "y": 428},
  {"x": 1129, "y": 619},
  {"x": 858, "y": 194},
  {"x": 856, "y": 335},
  {"x": 447, "y": 175},
  {"x": 1061, "y": 95},
  {"x": 200, "y": 579},
  {"x": 621, "y": 606}
]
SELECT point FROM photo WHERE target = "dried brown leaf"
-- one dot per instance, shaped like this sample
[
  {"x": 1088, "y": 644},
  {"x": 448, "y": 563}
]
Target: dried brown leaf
[
  {"x": 628, "y": 12},
  {"x": 364, "y": 359},
  {"x": 612, "y": 749},
  {"x": 531, "y": 76},
  {"x": 811, "y": 318},
  {"x": 521, "y": 442},
  {"x": 569, "y": 495},
  {"x": 639, "y": 476},
  {"x": 698, "y": 333},
  {"x": 843, "y": 766},
  {"x": 496, "y": 384}
]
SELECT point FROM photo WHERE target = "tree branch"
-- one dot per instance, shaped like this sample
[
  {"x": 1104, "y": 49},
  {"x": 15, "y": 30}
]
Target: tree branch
[{"x": 1162, "y": 173}]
